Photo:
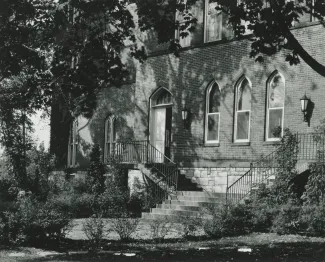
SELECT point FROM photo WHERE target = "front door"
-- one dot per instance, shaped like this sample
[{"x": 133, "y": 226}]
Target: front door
[{"x": 161, "y": 132}]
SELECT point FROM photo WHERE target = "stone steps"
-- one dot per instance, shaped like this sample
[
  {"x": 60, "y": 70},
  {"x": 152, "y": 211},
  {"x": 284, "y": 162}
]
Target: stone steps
[{"x": 185, "y": 203}]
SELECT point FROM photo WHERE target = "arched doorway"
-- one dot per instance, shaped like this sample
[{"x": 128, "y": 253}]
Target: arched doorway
[{"x": 161, "y": 121}]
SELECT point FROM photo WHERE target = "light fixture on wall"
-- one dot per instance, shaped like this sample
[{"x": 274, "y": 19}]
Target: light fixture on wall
[
  {"x": 304, "y": 104},
  {"x": 185, "y": 113}
]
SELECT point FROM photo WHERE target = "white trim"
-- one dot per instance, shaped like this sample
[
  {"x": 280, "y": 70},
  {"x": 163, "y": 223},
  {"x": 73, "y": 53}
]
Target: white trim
[
  {"x": 205, "y": 22},
  {"x": 109, "y": 125},
  {"x": 238, "y": 85},
  {"x": 72, "y": 146},
  {"x": 206, "y": 128},
  {"x": 152, "y": 108},
  {"x": 236, "y": 124},
  {"x": 269, "y": 81},
  {"x": 207, "y": 104}
]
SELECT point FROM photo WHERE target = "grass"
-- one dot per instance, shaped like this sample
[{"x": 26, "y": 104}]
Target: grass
[{"x": 265, "y": 247}]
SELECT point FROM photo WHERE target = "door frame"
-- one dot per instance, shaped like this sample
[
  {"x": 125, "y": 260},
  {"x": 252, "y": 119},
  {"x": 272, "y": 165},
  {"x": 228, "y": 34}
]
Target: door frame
[{"x": 152, "y": 107}]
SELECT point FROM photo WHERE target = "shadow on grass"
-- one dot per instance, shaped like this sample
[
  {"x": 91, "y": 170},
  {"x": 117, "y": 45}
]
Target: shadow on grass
[
  {"x": 73, "y": 250},
  {"x": 286, "y": 252}
]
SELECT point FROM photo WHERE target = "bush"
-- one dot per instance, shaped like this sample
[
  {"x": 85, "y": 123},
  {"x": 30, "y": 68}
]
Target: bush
[
  {"x": 189, "y": 225},
  {"x": 160, "y": 227},
  {"x": 35, "y": 222},
  {"x": 94, "y": 229},
  {"x": 316, "y": 184},
  {"x": 96, "y": 171},
  {"x": 288, "y": 220},
  {"x": 262, "y": 217},
  {"x": 231, "y": 220},
  {"x": 312, "y": 219},
  {"x": 124, "y": 226}
]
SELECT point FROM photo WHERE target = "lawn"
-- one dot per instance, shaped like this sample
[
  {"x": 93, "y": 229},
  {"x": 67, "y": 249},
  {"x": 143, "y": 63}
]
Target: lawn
[{"x": 253, "y": 247}]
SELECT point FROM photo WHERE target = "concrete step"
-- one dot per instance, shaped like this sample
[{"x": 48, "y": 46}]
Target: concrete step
[
  {"x": 200, "y": 194},
  {"x": 150, "y": 216},
  {"x": 179, "y": 207},
  {"x": 195, "y": 198},
  {"x": 174, "y": 212},
  {"x": 192, "y": 203}
]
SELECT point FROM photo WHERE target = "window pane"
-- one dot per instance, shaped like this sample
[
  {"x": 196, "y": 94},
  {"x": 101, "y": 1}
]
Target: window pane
[
  {"x": 214, "y": 99},
  {"x": 108, "y": 131},
  {"x": 214, "y": 23},
  {"x": 244, "y": 96},
  {"x": 242, "y": 125},
  {"x": 275, "y": 123},
  {"x": 213, "y": 127},
  {"x": 164, "y": 98},
  {"x": 276, "y": 92}
]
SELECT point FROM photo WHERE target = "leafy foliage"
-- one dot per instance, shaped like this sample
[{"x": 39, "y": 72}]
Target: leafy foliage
[
  {"x": 96, "y": 171},
  {"x": 269, "y": 24},
  {"x": 315, "y": 187},
  {"x": 288, "y": 220},
  {"x": 286, "y": 158},
  {"x": 160, "y": 227},
  {"x": 312, "y": 218},
  {"x": 35, "y": 222},
  {"x": 125, "y": 226},
  {"x": 231, "y": 220},
  {"x": 94, "y": 229}
]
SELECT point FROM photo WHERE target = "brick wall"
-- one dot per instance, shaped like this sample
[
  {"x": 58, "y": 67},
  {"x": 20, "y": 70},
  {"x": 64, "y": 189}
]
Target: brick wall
[{"x": 187, "y": 78}]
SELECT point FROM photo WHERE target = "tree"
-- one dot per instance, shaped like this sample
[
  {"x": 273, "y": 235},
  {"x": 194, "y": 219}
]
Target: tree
[
  {"x": 268, "y": 21},
  {"x": 63, "y": 52}
]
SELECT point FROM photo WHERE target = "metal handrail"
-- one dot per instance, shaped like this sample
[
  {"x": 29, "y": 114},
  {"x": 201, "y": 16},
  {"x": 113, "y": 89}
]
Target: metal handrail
[
  {"x": 163, "y": 167},
  {"x": 308, "y": 148}
]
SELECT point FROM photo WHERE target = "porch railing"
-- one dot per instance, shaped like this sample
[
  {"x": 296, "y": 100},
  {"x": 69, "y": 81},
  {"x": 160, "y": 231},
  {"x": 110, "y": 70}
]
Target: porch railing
[
  {"x": 310, "y": 148},
  {"x": 164, "y": 172}
]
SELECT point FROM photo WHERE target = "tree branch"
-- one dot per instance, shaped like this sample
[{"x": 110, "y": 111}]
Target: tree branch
[{"x": 312, "y": 62}]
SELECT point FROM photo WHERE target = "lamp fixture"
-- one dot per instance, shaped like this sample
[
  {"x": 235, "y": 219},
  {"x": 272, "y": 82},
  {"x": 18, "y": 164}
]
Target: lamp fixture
[
  {"x": 185, "y": 113},
  {"x": 304, "y": 104}
]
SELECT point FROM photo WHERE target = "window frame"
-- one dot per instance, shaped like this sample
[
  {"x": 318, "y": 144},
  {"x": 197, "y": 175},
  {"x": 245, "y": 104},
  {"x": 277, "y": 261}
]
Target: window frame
[
  {"x": 109, "y": 127},
  {"x": 269, "y": 81},
  {"x": 206, "y": 9},
  {"x": 238, "y": 85},
  {"x": 72, "y": 148},
  {"x": 207, "y": 114},
  {"x": 184, "y": 42}
]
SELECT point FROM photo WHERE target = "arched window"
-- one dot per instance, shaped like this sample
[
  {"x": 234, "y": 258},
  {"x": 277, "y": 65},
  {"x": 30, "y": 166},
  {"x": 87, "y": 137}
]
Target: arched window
[
  {"x": 243, "y": 97},
  {"x": 161, "y": 97},
  {"x": 73, "y": 143},
  {"x": 275, "y": 107},
  {"x": 110, "y": 137},
  {"x": 212, "y": 119}
]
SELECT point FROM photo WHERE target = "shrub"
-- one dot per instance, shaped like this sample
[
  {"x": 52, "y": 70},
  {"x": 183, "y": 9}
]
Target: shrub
[
  {"x": 262, "y": 217},
  {"x": 231, "y": 220},
  {"x": 189, "y": 224},
  {"x": 96, "y": 171},
  {"x": 160, "y": 227},
  {"x": 315, "y": 186},
  {"x": 287, "y": 220},
  {"x": 312, "y": 218},
  {"x": 124, "y": 226},
  {"x": 35, "y": 222},
  {"x": 94, "y": 229}
]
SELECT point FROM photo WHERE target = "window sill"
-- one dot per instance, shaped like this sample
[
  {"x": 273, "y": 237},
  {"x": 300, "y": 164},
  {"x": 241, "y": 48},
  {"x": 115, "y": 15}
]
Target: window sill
[
  {"x": 234, "y": 144},
  {"x": 211, "y": 144},
  {"x": 267, "y": 143}
]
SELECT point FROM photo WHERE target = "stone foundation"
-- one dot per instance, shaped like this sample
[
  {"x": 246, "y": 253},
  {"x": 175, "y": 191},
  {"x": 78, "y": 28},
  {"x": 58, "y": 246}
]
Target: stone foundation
[{"x": 214, "y": 179}]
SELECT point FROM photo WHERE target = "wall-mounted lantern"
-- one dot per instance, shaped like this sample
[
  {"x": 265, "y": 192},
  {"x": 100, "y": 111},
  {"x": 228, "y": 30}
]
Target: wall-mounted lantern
[
  {"x": 185, "y": 113},
  {"x": 304, "y": 104}
]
